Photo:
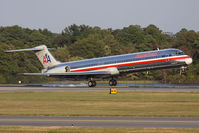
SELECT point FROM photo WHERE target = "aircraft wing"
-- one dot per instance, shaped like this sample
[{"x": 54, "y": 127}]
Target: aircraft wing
[{"x": 71, "y": 73}]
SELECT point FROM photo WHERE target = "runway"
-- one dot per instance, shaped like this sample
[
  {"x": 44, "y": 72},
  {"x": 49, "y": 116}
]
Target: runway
[
  {"x": 133, "y": 122},
  {"x": 95, "y": 121},
  {"x": 55, "y": 89}
]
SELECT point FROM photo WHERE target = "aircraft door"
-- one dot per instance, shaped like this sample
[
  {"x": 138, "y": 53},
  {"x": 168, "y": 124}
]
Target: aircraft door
[{"x": 67, "y": 69}]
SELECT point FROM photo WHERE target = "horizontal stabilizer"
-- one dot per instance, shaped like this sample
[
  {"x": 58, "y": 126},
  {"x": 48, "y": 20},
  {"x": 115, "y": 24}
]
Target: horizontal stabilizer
[
  {"x": 42, "y": 53},
  {"x": 27, "y": 49}
]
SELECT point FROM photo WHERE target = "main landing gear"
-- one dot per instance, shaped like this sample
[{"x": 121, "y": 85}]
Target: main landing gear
[
  {"x": 92, "y": 83},
  {"x": 113, "y": 82}
]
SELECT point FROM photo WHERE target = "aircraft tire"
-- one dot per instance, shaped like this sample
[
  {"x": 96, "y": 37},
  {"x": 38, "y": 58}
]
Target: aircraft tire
[
  {"x": 113, "y": 82},
  {"x": 94, "y": 83},
  {"x": 91, "y": 83}
]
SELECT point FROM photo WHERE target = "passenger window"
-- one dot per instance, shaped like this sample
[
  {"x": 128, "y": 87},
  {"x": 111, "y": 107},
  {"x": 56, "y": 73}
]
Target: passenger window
[{"x": 174, "y": 53}]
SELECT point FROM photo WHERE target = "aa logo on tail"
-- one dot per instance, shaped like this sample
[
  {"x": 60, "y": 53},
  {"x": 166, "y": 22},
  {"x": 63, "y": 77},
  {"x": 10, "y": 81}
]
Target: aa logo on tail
[{"x": 46, "y": 58}]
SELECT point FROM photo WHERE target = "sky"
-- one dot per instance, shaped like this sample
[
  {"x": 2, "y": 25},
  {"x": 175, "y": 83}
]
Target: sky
[{"x": 55, "y": 15}]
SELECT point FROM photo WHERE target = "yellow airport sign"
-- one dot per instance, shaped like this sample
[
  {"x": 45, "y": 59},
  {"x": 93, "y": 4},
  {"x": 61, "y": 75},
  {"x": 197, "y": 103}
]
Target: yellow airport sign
[{"x": 113, "y": 91}]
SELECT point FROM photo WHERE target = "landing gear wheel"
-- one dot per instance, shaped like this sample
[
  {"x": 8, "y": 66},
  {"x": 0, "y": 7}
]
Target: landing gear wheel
[
  {"x": 113, "y": 82},
  {"x": 94, "y": 83},
  {"x": 91, "y": 83}
]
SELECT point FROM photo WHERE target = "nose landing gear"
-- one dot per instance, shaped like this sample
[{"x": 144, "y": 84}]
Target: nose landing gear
[{"x": 183, "y": 70}]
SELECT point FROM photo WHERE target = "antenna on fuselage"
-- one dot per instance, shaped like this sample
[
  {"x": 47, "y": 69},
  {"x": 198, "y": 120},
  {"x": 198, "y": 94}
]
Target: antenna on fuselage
[{"x": 156, "y": 48}]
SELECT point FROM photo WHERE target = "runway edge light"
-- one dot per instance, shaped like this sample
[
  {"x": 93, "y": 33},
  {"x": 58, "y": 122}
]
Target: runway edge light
[{"x": 113, "y": 91}]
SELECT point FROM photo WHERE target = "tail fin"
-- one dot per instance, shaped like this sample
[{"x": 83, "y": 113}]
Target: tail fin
[{"x": 42, "y": 53}]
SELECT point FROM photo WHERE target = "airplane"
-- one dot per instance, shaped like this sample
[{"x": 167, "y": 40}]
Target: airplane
[{"x": 109, "y": 66}]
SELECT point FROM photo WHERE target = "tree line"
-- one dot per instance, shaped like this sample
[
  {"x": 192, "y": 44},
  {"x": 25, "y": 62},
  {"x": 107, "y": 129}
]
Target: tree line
[{"x": 78, "y": 42}]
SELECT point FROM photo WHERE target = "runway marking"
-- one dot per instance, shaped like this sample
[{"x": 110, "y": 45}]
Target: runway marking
[{"x": 147, "y": 121}]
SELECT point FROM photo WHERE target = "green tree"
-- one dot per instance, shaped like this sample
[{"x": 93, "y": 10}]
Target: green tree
[{"x": 95, "y": 45}]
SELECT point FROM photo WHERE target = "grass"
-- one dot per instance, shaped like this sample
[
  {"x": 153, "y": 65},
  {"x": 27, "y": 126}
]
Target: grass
[
  {"x": 25, "y": 129},
  {"x": 100, "y": 103}
]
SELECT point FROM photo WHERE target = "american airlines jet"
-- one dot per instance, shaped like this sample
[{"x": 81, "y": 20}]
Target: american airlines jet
[{"x": 107, "y": 67}]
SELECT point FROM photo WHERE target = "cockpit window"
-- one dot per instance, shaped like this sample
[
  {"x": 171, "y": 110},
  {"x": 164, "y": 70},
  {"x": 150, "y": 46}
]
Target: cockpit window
[
  {"x": 181, "y": 53},
  {"x": 178, "y": 53}
]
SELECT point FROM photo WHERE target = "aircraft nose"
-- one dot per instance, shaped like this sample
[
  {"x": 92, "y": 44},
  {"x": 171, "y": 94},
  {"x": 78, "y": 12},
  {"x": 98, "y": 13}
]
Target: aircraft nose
[{"x": 188, "y": 61}]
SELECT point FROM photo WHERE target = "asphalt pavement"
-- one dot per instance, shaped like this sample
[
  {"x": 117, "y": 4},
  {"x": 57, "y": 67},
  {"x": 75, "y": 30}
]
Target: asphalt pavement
[
  {"x": 82, "y": 121},
  {"x": 54, "y": 89}
]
